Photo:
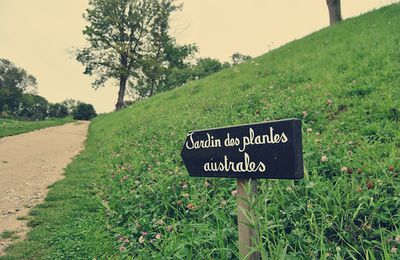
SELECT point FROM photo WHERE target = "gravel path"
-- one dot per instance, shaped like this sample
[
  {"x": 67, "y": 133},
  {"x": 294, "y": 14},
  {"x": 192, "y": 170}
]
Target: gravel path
[{"x": 29, "y": 163}]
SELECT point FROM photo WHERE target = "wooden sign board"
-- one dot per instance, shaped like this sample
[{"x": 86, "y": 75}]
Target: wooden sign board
[{"x": 269, "y": 150}]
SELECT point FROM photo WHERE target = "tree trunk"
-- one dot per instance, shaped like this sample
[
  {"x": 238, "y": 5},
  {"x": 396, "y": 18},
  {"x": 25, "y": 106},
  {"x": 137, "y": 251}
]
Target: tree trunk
[
  {"x": 152, "y": 88},
  {"x": 122, "y": 81},
  {"x": 335, "y": 13},
  {"x": 121, "y": 93}
]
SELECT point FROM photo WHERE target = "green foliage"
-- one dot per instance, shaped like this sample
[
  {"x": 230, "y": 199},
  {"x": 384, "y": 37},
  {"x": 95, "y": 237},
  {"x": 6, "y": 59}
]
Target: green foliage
[
  {"x": 13, "y": 76},
  {"x": 13, "y": 82},
  {"x": 175, "y": 76},
  {"x": 84, "y": 112},
  {"x": 34, "y": 107},
  {"x": 164, "y": 54},
  {"x": 70, "y": 104},
  {"x": 115, "y": 35},
  {"x": 10, "y": 98},
  {"x": 18, "y": 98},
  {"x": 207, "y": 66},
  {"x": 179, "y": 76},
  {"x": 343, "y": 82},
  {"x": 58, "y": 110},
  {"x": 127, "y": 41},
  {"x": 164, "y": 71}
]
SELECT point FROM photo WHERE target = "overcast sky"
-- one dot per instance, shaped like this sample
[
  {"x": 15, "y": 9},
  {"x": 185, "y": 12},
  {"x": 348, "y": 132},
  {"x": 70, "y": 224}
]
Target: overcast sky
[{"x": 38, "y": 36}]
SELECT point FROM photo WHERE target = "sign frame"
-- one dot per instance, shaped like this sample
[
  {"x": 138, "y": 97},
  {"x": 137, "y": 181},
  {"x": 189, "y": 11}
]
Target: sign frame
[{"x": 286, "y": 164}]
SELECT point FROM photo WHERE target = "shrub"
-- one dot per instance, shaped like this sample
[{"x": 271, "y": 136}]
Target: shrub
[{"x": 84, "y": 112}]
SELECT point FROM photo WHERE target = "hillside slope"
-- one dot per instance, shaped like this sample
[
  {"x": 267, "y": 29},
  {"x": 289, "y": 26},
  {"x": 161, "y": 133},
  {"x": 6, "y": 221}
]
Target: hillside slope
[{"x": 343, "y": 82}]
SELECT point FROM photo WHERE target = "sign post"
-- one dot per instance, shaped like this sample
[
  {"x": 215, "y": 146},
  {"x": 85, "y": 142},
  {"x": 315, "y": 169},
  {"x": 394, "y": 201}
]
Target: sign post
[
  {"x": 267, "y": 150},
  {"x": 247, "y": 235}
]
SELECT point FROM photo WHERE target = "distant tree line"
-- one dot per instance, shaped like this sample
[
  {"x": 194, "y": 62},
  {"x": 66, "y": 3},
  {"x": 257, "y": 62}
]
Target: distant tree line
[
  {"x": 19, "y": 98},
  {"x": 178, "y": 76}
]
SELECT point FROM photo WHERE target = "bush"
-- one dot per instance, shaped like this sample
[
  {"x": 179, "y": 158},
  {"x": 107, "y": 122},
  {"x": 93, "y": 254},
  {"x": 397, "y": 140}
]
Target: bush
[
  {"x": 58, "y": 110},
  {"x": 84, "y": 112}
]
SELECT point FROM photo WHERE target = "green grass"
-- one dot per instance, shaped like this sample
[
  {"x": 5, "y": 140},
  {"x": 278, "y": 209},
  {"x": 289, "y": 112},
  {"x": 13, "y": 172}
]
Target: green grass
[
  {"x": 70, "y": 224},
  {"x": 129, "y": 187},
  {"x": 10, "y": 127},
  {"x": 8, "y": 234}
]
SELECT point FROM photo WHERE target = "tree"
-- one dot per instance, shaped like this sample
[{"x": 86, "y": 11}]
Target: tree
[
  {"x": 33, "y": 107},
  {"x": 10, "y": 99},
  {"x": 13, "y": 76},
  {"x": 176, "y": 76},
  {"x": 14, "y": 81},
  {"x": 158, "y": 70},
  {"x": 70, "y": 104},
  {"x": 207, "y": 66},
  {"x": 84, "y": 112},
  {"x": 58, "y": 110},
  {"x": 119, "y": 35},
  {"x": 335, "y": 13},
  {"x": 163, "y": 54}
]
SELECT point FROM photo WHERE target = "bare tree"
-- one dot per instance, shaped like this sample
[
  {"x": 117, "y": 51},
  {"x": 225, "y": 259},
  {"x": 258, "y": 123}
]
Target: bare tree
[{"x": 335, "y": 13}]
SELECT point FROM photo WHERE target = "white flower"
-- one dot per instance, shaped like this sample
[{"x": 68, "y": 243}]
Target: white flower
[
  {"x": 324, "y": 158},
  {"x": 141, "y": 239}
]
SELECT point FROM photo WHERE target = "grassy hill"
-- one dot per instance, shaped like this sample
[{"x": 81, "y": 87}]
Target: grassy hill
[{"x": 128, "y": 193}]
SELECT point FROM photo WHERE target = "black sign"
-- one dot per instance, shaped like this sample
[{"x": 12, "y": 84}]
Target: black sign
[{"x": 270, "y": 150}]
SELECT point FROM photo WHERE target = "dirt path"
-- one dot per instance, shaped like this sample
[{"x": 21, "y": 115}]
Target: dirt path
[{"x": 29, "y": 163}]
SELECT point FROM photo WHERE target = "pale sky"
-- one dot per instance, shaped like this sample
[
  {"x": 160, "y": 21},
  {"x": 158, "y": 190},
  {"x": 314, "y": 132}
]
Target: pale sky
[{"x": 38, "y": 36}]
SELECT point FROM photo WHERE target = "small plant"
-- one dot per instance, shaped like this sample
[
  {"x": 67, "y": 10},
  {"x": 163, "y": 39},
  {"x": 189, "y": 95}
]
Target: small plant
[{"x": 9, "y": 234}]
